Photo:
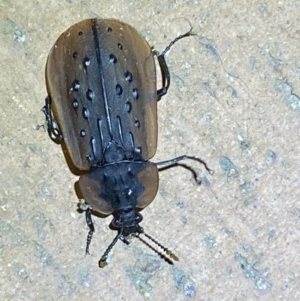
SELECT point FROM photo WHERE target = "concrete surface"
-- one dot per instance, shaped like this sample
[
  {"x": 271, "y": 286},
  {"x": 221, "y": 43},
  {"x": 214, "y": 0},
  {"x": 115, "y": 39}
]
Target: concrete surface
[{"x": 233, "y": 101}]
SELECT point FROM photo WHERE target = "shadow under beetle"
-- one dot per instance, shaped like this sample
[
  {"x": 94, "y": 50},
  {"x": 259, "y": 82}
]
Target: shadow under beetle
[{"x": 102, "y": 108}]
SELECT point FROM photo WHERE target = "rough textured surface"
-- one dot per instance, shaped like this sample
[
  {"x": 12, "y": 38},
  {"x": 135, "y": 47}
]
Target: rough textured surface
[{"x": 233, "y": 101}]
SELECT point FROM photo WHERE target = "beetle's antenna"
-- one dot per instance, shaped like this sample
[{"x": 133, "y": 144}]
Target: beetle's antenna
[
  {"x": 102, "y": 261},
  {"x": 166, "y": 250}
]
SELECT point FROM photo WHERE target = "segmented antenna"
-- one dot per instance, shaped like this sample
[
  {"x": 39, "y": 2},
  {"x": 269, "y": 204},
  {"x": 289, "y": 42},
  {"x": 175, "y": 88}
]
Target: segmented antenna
[
  {"x": 103, "y": 260},
  {"x": 168, "y": 252}
]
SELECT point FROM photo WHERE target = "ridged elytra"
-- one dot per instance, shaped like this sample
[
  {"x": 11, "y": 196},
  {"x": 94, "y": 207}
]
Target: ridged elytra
[{"x": 102, "y": 108}]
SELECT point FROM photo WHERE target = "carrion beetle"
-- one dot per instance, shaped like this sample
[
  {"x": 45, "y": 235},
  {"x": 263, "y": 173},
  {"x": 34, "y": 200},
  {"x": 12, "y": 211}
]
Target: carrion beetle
[{"x": 102, "y": 107}]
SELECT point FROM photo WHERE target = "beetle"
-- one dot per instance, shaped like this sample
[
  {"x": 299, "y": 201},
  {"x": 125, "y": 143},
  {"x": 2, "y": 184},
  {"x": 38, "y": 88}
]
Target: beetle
[{"x": 102, "y": 107}]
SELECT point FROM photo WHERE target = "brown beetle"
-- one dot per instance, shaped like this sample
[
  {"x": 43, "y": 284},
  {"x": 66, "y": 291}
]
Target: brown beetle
[{"x": 102, "y": 106}]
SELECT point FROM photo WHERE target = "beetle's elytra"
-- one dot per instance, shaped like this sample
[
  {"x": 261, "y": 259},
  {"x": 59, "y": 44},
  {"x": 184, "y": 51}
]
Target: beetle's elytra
[{"x": 102, "y": 107}]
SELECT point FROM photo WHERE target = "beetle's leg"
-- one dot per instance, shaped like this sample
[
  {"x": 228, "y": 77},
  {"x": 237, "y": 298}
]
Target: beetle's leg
[
  {"x": 174, "y": 162},
  {"x": 53, "y": 129},
  {"x": 89, "y": 221},
  {"x": 165, "y": 73},
  {"x": 103, "y": 259}
]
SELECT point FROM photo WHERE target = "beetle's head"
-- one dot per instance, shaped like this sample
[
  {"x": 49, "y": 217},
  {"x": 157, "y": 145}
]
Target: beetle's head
[{"x": 126, "y": 221}]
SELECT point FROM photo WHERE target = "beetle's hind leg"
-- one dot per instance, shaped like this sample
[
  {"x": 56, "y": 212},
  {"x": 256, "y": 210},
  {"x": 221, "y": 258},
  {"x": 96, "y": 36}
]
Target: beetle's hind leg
[
  {"x": 53, "y": 128},
  {"x": 165, "y": 73}
]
